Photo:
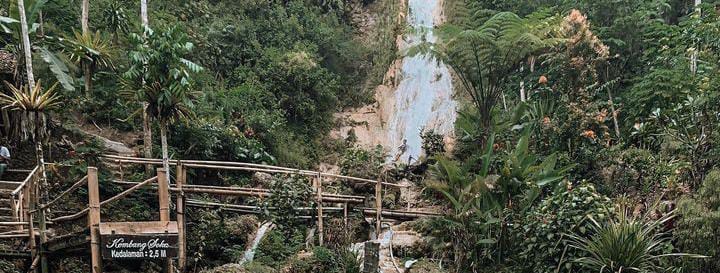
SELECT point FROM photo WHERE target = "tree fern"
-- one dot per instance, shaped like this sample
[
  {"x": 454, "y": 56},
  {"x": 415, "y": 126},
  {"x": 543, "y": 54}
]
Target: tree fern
[{"x": 483, "y": 55}]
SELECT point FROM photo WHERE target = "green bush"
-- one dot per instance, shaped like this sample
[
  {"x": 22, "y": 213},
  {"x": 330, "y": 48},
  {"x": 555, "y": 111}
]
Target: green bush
[
  {"x": 276, "y": 248},
  {"x": 359, "y": 162},
  {"x": 432, "y": 143},
  {"x": 287, "y": 194},
  {"x": 213, "y": 240},
  {"x": 540, "y": 233},
  {"x": 255, "y": 267},
  {"x": 324, "y": 260},
  {"x": 633, "y": 171},
  {"x": 699, "y": 225}
]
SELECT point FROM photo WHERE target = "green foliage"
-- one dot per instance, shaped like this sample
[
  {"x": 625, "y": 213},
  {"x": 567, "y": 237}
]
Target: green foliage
[
  {"x": 699, "y": 220},
  {"x": 362, "y": 163},
  {"x": 287, "y": 194},
  {"x": 115, "y": 19},
  {"x": 626, "y": 244},
  {"x": 214, "y": 239},
  {"x": 160, "y": 75},
  {"x": 277, "y": 247},
  {"x": 208, "y": 140},
  {"x": 483, "y": 53},
  {"x": 324, "y": 260},
  {"x": 540, "y": 232},
  {"x": 432, "y": 143}
]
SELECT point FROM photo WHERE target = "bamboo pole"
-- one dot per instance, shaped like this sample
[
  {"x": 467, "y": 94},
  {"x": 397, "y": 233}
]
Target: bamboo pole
[
  {"x": 228, "y": 165},
  {"x": 378, "y": 207},
  {"x": 318, "y": 181},
  {"x": 181, "y": 176},
  {"x": 345, "y": 216},
  {"x": 164, "y": 201},
  {"x": 94, "y": 219},
  {"x": 28, "y": 204}
]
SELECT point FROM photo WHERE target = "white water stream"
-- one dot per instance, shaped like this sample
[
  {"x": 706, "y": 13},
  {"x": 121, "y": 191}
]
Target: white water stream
[
  {"x": 423, "y": 99},
  {"x": 259, "y": 235}
]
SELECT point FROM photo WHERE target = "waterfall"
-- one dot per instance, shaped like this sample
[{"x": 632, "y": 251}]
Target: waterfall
[
  {"x": 423, "y": 98},
  {"x": 259, "y": 235}
]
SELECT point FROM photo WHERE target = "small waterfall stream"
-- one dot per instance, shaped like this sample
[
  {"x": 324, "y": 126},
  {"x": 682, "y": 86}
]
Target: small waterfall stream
[
  {"x": 259, "y": 235},
  {"x": 423, "y": 99}
]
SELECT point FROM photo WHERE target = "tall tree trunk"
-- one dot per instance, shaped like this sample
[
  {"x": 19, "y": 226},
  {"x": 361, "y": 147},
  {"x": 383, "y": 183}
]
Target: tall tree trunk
[
  {"x": 143, "y": 13},
  {"x": 522, "y": 86},
  {"x": 147, "y": 130},
  {"x": 85, "y": 16},
  {"x": 694, "y": 57},
  {"x": 39, "y": 120},
  {"x": 88, "y": 78},
  {"x": 42, "y": 22},
  {"x": 26, "y": 44},
  {"x": 164, "y": 144}
]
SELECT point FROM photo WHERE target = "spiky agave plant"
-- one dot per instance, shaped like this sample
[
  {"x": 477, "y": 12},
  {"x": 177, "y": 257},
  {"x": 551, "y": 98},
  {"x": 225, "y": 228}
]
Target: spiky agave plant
[
  {"x": 627, "y": 244},
  {"x": 91, "y": 52},
  {"x": 33, "y": 104}
]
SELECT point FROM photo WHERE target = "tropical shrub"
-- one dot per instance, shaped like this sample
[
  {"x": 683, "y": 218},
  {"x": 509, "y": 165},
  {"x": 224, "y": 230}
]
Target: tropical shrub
[
  {"x": 432, "y": 143},
  {"x": 276, "y": 247},
  {"x": 324, "y": 260},
  {"x": 626, "y": 243},
  {"x": 540, "y": 232},
  {"x": 363, "y": 163},
  {"x": 287, "y": 194},
  {"x": 698, "y": 225}
]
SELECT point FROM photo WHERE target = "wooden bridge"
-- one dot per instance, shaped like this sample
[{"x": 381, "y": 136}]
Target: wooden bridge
[{"x": 22, "y": 211}]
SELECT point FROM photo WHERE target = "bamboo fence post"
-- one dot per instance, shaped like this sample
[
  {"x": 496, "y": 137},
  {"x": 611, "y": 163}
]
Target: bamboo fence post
[
  {"x": 42, "y": 222},
  {"x": 164, "y": 200},
  {"x": 180, "y": 181},
  {"x": 28, "y": 205},
  {"x": 94, "y": 219},
  {"x": 378, "y": 207},
  {"x": 319, "y": 208}
]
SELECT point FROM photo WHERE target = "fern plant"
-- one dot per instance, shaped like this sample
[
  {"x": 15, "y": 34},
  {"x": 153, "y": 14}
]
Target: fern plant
[{"x": 484, "y": 54}]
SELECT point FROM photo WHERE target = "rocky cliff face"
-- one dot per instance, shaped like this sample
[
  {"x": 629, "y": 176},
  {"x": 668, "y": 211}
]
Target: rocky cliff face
[{"x": 415, "y": 94}]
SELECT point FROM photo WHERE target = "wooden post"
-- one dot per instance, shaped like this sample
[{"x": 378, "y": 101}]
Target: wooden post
[
  {"x": 163, "y": 194},
  {"x": 94, "y": 219},
  {"x": 378, "y": 208},
  {"x": 28, "y": 205},
  {"x": 164, "y": 199},
  {"x": 319, "y": 206},
  {"x": 180, "y": 181}
]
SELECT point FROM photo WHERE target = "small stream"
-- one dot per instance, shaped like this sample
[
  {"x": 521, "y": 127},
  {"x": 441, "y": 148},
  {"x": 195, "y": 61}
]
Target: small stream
[
  {"x": 259, "y": 235},
  {"x": 423, "y": 99}
]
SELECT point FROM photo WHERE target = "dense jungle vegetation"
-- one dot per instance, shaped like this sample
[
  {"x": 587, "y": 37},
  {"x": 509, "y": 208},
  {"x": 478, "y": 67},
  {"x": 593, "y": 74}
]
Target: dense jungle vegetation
[{"x": 587, "y": 136}]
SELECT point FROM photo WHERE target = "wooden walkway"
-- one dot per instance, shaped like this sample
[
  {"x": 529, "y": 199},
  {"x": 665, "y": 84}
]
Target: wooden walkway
[{"x": 18, "y": 203}]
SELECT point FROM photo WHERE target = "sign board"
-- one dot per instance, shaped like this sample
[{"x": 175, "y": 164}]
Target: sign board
[{"x": 138, "y": 240}]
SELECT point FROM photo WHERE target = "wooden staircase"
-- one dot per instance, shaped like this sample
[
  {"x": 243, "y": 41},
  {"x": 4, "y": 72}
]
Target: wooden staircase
[{"x": 14, "y": 205}]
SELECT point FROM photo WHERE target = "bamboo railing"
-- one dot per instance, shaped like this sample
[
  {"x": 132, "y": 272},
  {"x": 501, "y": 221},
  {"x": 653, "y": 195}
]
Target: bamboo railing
[{"x": 240, "y": 166}]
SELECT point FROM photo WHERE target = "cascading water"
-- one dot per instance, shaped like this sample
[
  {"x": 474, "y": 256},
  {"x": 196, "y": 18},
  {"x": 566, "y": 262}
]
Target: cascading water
[
  {"x": 423, "y": 99},
  {"x": 259, "y": 235}
]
